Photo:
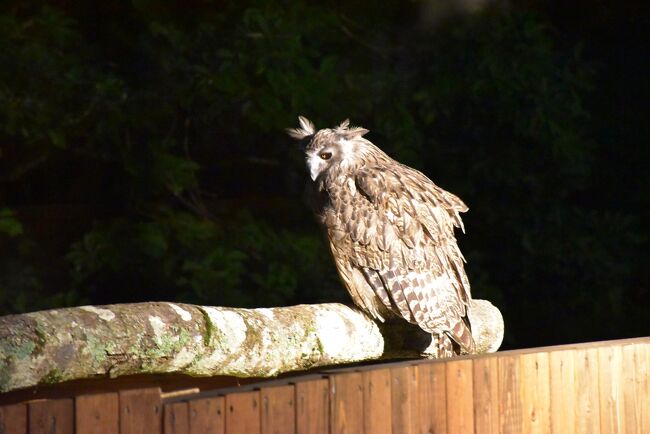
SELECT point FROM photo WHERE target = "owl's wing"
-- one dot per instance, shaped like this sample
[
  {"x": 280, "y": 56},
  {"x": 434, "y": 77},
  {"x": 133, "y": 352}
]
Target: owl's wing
[{"x": 402, "y": 239}]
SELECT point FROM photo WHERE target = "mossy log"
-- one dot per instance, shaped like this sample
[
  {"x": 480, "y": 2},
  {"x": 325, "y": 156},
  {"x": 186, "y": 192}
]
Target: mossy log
[{"x": 109, "y": 341}]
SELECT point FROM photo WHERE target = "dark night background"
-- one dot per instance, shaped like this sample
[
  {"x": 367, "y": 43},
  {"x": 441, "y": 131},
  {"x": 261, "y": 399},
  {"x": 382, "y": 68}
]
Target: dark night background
[{"x": 143, "y": 153}]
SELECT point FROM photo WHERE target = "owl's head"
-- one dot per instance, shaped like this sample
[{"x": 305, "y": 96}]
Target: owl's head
[{"x": 329, "y": 148}]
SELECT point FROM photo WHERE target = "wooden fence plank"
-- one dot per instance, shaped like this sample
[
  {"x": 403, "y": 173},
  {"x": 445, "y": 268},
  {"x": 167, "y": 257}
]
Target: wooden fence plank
[
  {"x": 486, "y": 396},
  {"x": 587, "y": 399},
  {"x": 460, "y": 403},
  {"x": 52, "y": 416},
  {"x": 346, "y": 400},
  {"x": 642, "y": 350},
  {"x": 176, "y": 418},
  {"x": 414, "y": 407},
  {"x": 631, "y": 395},
  {"x": 535, "y": 393},
  {"x": 278, "y": 410},
  {"x": 610, "y": 389},
  {"x": 140, "y": 411},
  {"x": 312, "y": 407},
  {"x": 404, "y": 395},
  {"x": 243, "y": 413},
  {"x": 13, "y": 419},
  {"x": 509, "y": 398},
  {"x": 377, "y": 401},
  {"x": 563, "y": 412},
  {"x": 97, "y": 413},
  {"x": 432, "y": 393},
  {"x": 207, "y": 415}
]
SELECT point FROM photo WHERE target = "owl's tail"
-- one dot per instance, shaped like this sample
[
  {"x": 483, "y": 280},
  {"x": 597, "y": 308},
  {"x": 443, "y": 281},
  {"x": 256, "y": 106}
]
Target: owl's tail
[
  {"x": 446, "y": 345},
  {"x": 461, "y": 334},
  {"x": 441, "y": 346}
]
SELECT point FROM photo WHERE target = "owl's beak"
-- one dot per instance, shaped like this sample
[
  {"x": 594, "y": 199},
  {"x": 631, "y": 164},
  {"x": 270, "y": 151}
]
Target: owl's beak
[
  {"x": 313, "y": 171},
  {"x": 314, "y": 167}
]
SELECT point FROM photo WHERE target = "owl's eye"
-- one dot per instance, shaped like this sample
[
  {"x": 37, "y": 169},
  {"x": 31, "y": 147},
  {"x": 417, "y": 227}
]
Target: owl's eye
[{"x": 325, "y": 155}]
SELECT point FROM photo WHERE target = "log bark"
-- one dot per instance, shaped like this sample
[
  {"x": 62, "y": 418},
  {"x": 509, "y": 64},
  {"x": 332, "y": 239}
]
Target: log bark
[{"x": 108, "y": 341}]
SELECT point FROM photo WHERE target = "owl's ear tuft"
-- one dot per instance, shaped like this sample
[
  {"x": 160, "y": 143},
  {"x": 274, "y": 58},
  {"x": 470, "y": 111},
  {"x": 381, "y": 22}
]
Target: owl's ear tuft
[
  {"x": 307, "y": 125},
  {"x": 306, "y": 129},
  {"x": 296, "y": 133},
  {"x": 348, "y": 132},
  {"x": 356, "y": 132}
]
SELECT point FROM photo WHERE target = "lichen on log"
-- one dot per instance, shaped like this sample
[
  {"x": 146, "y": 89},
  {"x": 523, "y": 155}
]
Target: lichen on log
[{"x": 159, "y": 337}]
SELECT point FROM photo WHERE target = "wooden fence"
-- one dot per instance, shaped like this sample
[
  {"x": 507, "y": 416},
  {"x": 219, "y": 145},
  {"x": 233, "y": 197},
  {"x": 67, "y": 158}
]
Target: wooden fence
[{"x": 590, "y": 388}]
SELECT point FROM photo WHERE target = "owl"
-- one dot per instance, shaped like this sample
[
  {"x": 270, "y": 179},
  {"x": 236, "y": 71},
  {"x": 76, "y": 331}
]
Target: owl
[{"x": 391, "y": 233}]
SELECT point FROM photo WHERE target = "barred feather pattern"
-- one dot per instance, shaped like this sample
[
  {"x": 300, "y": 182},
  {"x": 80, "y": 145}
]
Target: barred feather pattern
[
  {"x": 441, "y": 346},
  {"x": 391, "y": 232}
]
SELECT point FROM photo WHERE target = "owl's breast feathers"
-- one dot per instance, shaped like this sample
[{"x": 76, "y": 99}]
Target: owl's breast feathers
[{"x": 391, "y": 231}]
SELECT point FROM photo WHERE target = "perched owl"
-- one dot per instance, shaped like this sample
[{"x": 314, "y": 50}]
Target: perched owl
[{"x": 391, "y": 232}]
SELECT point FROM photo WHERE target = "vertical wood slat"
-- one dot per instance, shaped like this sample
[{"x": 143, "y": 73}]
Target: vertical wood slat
[
  {"x": 635, "y": 378},
  {"x": 563, "y": 411},
  {"x": 243, "y": 413},
  {"x": 610, "y": 390},
  {"x": 586, "y": 398},
  {"x": 377, "y": 401},
  {"x": 643, "y": 384},
  {"x": 346, "y": 400},
  {"x": 460, "y": 403},
  {"x": 535, "y": 393},
  {"x": 486, "y": 396},
  {"x": 140, "y": 411},
  {"x": 176, "y": 418},
  {"x": 629, "y": 397},
  {"x": 278, "y": 410},
  {"x": 13, "y": 419},
  {"x": 207, "y": 415},
  {"x": 312, "y": 407},
  {"x": 509, "y": 399},
  {"x": 97, "y": 413},
  {"x": 404, "y": 403},
  {"x": 432, "y": 395},
  {"x": 52, "y": 416}
]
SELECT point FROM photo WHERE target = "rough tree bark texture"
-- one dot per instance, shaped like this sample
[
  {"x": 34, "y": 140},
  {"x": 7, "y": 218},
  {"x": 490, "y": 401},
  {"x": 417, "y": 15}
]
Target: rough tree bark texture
[{"x": 89, "y": 341}]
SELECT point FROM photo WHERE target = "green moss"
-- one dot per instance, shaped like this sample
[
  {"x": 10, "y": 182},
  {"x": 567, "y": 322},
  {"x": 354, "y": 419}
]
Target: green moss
[
  {"x": 209, "y": 328},
  {"x": 53, "y": 377},
  {"x": 169, "y": 344},
  {"x": 41, "y": 335},
  {"x": 310, "y": 328},
  {"x": 5, "y": 378},
  {"x": 12, "y": 353},
  {"x": 18, "y": 351},
  {"x": 319, "y": 347},
  {"x": 97, "y": 349},
  {"x": 135, "y": 348}
]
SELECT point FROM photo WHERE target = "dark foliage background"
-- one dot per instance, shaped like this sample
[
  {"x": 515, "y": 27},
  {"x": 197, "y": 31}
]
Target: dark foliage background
[{"x": 142, "y": 152}]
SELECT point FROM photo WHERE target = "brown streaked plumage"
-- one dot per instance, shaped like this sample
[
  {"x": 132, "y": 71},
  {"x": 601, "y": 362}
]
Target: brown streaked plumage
[{"x": 391, "y": 232}]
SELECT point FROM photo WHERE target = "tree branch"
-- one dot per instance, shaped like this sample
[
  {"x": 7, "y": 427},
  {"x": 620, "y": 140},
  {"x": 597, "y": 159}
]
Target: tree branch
[{"x": 94, "y": 341}]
